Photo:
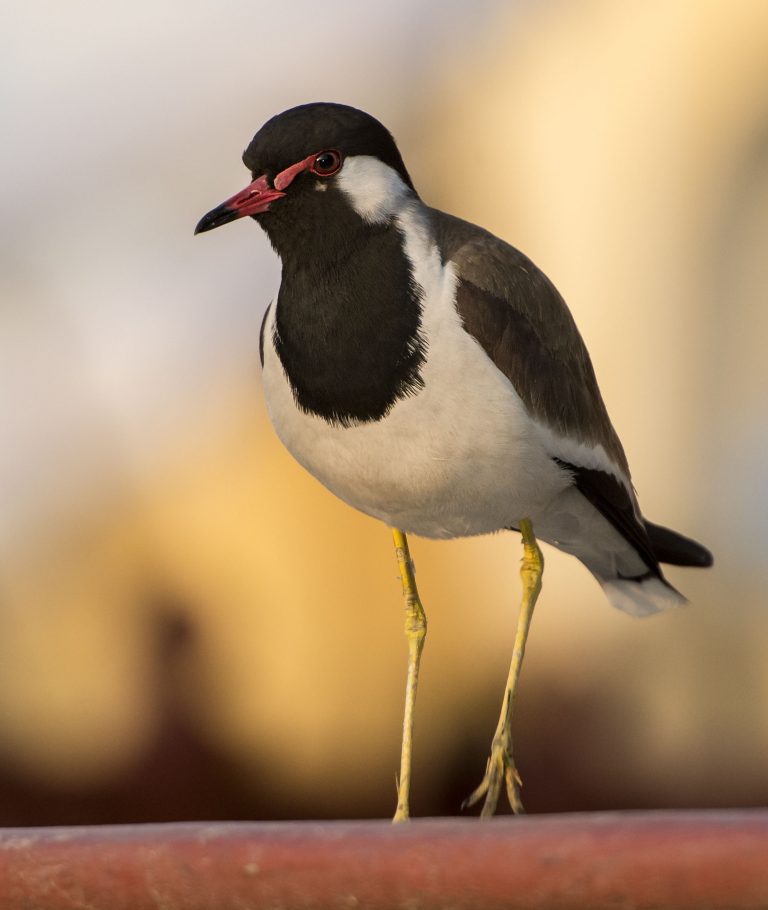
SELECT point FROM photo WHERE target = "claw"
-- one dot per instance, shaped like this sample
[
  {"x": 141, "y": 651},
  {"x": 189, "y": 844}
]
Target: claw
[
  {"x": 479, "y": 792},
  {"x": 514, "y": 782},
  {"x": 500, "y": 767}
]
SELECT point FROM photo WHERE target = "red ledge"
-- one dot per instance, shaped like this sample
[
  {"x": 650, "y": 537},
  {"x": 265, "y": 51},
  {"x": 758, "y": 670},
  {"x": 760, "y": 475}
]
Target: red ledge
[{"x": 680, "y": 860}]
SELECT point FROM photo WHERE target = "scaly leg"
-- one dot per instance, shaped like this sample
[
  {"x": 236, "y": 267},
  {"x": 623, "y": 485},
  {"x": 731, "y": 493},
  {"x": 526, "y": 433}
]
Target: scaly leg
[
  {"x": 415, "y": 631},
  {"x": 501, "y": 765}
]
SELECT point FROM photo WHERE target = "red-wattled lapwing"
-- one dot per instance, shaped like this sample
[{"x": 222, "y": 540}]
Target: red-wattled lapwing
[{"x": 430, "y": 375}]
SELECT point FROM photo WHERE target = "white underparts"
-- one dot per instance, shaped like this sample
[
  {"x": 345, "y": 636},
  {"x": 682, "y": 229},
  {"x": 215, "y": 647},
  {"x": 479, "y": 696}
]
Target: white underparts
[{"x": 462, "y": 455}]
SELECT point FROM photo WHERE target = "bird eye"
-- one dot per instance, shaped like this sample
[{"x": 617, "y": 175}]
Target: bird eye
[{"x": 326, "y": 163}]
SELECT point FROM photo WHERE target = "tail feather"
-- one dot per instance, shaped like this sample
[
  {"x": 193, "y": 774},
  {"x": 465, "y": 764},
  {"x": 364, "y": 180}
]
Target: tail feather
[
  {"x": 642, "y": 596},
  {"x": 675, "y": 549}
]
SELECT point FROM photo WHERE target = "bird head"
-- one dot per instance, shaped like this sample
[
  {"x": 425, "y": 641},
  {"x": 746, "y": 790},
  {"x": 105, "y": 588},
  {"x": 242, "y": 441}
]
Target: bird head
[{"x": 314, "y": 166}]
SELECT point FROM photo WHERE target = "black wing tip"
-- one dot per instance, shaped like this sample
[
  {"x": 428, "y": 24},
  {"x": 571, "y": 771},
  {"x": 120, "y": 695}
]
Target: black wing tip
[
  {"x": 701, "y": 558},
  {"x": 654, "y": 544},
  {"x": 676, "y": 549},
  {"x": 704, "y": 558}
]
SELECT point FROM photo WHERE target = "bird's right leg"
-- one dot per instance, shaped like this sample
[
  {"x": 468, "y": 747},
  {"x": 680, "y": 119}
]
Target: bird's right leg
[
  {"x": 415, "y": 631},
  {"x": 501, "y": 765}
]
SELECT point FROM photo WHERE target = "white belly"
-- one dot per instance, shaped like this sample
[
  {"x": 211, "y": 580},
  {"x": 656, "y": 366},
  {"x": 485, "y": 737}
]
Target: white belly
[{"x": 461, "y": 457}]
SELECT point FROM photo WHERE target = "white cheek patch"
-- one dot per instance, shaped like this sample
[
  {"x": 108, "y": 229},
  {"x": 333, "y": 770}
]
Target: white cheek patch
[{"x": 375, "y": 191}]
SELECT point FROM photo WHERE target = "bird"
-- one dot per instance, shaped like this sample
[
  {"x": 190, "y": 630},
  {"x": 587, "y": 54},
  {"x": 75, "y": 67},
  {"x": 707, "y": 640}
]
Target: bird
[{"x": 432, "y": 377}]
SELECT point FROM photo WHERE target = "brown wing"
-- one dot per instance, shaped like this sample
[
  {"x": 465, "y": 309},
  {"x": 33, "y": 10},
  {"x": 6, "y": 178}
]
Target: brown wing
[{"x": 516, "y": 314}]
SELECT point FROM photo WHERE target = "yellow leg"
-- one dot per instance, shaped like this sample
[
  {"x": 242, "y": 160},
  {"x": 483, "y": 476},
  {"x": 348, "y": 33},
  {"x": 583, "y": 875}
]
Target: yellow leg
[
  {"x": 415, "y": 631},
  {"x": 501, "y": 765}
]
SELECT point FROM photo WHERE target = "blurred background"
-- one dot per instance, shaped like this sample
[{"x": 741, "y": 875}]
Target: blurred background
[{"x": 190, "y": 626}]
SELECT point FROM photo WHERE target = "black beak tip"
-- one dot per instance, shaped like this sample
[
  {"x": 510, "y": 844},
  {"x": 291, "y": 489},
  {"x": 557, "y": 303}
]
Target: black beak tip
[
  {"x": 215, "y": 218},
  {"x": 206, "y": 223}
]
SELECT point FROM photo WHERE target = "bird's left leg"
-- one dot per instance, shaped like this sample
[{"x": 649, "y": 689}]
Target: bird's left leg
[
  {"x": 415, "y": 631},
  {"x": 501, "y": 765}
]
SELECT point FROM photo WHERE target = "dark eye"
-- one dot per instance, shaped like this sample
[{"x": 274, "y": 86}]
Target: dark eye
[{"x": 326, "y": 163}]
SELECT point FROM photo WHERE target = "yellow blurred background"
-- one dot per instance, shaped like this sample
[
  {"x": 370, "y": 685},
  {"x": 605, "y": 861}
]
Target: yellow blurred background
[{"x": 190, "y": 626}]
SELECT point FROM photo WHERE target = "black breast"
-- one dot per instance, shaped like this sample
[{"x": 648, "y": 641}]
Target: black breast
[{"x": 347, "y": 328}]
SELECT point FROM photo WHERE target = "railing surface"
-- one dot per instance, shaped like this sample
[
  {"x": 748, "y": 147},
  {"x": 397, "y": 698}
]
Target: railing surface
[{"x": 676, "y": 860}]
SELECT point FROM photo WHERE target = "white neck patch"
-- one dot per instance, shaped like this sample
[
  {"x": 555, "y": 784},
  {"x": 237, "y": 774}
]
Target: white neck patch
[{"x": 375, "y": 190}]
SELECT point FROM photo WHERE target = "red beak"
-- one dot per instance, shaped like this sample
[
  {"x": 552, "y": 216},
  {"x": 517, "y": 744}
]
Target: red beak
[{"x": 254, "y": 199}]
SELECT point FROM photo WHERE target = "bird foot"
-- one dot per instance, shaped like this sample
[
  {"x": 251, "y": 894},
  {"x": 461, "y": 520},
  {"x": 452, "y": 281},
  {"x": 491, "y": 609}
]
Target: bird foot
[{"x": 500, "y": 768}]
